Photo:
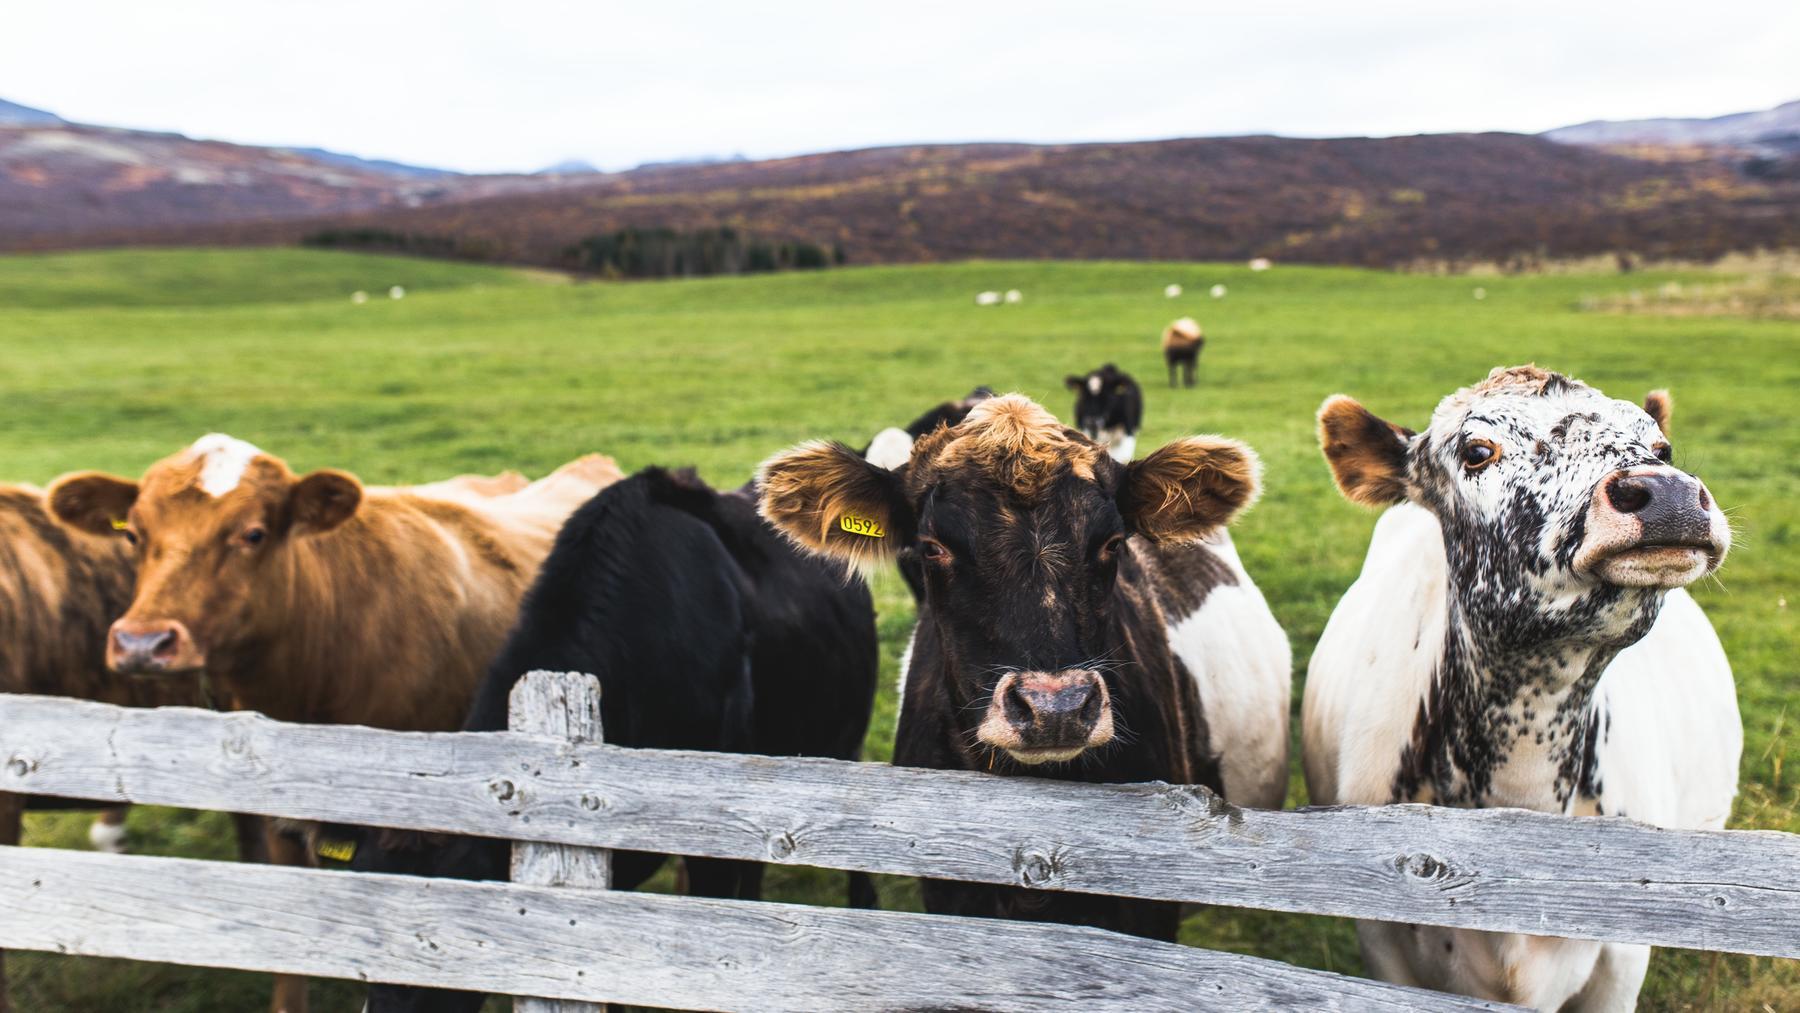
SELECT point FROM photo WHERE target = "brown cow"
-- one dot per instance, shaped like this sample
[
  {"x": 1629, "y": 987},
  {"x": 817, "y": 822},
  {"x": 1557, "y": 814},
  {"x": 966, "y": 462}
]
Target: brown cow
[
  {"x": 1181, "y": 345},
  {"x": 314, "y": 599},
  {"x": 58, "y": 591}
]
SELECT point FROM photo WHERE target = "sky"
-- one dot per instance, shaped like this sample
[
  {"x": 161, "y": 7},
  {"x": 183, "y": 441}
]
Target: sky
[{"x": 508, "y": 85}]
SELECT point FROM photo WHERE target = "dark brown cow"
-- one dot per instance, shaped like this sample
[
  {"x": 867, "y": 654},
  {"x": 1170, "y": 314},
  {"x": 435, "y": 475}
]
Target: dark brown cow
[
  {"x": 1080, "y": 618},
  {"x": 314, "y": 599},
  {"x": 1182, "y": 342}
]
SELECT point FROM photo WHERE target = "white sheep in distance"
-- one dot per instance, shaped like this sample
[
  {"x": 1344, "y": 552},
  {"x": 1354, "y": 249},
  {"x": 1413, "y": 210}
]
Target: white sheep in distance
[
  {"x": 397, "y": 292},
  {"x": 987, "y": 298},
  {"x": 1218, "y": 291},
  {"x": 1260, "y": 264},
  {"x": 1171, "y": 291},
  {"x": 359, "y": 297},
  {"x": 1013, "y": 295}
]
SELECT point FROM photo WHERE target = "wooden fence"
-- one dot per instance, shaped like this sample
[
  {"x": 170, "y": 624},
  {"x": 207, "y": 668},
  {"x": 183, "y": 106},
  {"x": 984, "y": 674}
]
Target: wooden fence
[{"x": 563, "y": 797}]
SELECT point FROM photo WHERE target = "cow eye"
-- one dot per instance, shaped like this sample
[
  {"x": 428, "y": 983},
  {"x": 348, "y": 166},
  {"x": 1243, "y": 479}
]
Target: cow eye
[
  {"x": 254, "y": 536},
  {"x": 130, "y": 536},
  {"x": 1663, "y": 452},
  {"x": 934, "y": 550},
  {"x": 1478, "y": 454},
  {"x": 1110, "y": 550}
]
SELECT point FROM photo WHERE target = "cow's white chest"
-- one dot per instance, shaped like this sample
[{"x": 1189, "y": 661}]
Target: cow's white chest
[{"x": 1240, "y": 661}]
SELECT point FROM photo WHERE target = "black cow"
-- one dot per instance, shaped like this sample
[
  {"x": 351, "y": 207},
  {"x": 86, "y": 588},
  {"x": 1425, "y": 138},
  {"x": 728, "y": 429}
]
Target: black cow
[
  {"x": 1076, "y": 611},
  {"x": 891, "y": 446},
  {"x": 1109, "y": 408},
  {"x": 707, "y": 631}
]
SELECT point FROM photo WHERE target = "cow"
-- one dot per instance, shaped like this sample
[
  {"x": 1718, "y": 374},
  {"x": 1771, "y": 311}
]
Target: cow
[
  {"x": 314, "y": 599},
  {"x": 1081, "y": 618},
  {"x": 1520, "y": 637},
  {"x": 58, "y": 591},
  {"x": 1182, "y": 342},
  {"x": 1109, "y": 408},
  {"x": 707, "y": 631}
]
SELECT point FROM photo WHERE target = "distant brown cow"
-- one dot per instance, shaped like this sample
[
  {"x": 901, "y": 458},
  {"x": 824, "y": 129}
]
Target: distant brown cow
[
  {"x": 314, "y": 599},
  {"x": 58, "y": 591},
  {"x": 1181, "y": 345}
]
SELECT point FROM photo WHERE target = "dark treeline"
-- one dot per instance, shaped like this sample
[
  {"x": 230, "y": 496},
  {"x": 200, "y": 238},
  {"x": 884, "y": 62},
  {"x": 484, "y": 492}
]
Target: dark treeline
[
  {"x": 376, "y": 240},
  {"x": 667, "y": 253}
]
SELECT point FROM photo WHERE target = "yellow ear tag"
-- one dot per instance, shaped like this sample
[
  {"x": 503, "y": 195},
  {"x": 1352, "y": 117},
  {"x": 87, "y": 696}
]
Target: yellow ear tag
[
  {"x": 118, "y": 524},
  {"x": 336, "y": 851},
  {"x": 868, "y": 527}
]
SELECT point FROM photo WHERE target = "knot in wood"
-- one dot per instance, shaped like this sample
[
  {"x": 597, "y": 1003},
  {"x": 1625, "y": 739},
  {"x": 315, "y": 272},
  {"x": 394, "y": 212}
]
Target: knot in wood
[
  {"x": 20, "y": 766},
  {"x": 1423, "y": 867},
  {"x": 782, "y": 845},
  {"x": 1036, "y": 868},
  {"x": 591, "y": 803},
  {"x": 502, "y": 790}
]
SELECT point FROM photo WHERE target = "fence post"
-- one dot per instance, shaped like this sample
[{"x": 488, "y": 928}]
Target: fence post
[{"x": 566, "y": 705}]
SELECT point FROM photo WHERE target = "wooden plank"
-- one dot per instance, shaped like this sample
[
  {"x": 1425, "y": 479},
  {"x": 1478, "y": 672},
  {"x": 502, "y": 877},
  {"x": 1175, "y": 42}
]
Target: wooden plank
[
  {"x": 1500, "y": 870},
  {"x": 564, "y": 705},
  {"x": 601, "y": 946}
]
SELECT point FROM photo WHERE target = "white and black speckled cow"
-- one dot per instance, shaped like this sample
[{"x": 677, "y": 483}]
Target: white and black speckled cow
[{"x": 1520, "y": 637}]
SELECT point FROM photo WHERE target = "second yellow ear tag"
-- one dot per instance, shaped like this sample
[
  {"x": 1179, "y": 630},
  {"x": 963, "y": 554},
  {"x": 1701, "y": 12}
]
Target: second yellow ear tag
[
  {"x": 336, "y": 850},
  {"x": 868, "y": 527},
  {"x": 118, "y": 524}
]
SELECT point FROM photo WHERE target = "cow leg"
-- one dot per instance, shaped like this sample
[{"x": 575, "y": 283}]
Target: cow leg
[
  {"x": 862, "y": 892},
  {"x": 1187, "y": 372},
  {"x": 1171, "y": 374},
  {"x": 284, "y": 849},
  {"x": 12, "y": 815},
  {"x": 250, "y": 844},
  {"x": 107, "y": 832},
  {"x": 715, "y": 877}
]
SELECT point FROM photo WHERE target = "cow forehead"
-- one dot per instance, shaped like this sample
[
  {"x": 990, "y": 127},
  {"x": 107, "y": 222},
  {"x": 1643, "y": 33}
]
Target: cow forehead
[
  {"x": 1008, "y": 441},
  {"x": 214, "y": 469},
  {"x": 1528, "y": 402}
]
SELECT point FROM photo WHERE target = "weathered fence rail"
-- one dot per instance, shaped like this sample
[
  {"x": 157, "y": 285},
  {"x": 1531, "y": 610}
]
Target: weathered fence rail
[{"x": 553, "y": 787}]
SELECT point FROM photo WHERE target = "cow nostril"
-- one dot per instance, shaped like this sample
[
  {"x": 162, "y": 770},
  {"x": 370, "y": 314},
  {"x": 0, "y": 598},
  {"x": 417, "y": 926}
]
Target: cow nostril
[
  {"x": 1629, "y": 494},
  {"x": 1705, "y": 500},
  {"x": 164, "y": 644},
  {"x": 1018, "y": 709},
  {"x": 1089, "y": 714}
]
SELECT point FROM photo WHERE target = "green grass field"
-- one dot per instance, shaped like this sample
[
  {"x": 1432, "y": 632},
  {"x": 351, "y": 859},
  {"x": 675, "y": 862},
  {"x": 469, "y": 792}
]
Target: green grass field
[{"x": 112, "y": 360}]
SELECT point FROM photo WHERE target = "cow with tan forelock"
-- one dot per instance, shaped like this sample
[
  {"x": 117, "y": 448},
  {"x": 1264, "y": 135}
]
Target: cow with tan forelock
[
  {"x": 1520, "y": 636},
  {"x": 1081, "y": 618},
  {"x": 311, "y": 598}
]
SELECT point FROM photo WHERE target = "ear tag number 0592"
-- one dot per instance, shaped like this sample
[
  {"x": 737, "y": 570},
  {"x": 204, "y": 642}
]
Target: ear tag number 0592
[{"x": 868, "y": 527}]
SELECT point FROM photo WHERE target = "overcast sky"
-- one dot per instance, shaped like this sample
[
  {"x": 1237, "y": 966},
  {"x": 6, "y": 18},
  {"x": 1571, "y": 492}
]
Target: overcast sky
[{"x": 519, "y": 84}]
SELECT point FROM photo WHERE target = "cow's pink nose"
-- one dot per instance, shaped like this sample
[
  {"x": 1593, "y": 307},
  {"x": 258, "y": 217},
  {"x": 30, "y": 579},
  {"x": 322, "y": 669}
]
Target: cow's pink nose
[{"x": 139, "y": 647}]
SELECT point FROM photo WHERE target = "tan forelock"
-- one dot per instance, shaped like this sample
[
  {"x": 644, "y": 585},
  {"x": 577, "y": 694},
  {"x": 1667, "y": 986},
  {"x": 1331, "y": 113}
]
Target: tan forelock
[
  {"x": 1014, "y": 439},
  {"x": 1181, "y": 333},
  {"x": 1527, "y": 379}
]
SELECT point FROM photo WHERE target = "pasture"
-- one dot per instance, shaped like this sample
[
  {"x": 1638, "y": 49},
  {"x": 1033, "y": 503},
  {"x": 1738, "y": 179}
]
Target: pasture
[{"x": 111, "y": 360}]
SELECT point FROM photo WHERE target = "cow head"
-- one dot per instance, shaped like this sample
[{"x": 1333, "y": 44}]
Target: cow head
[
  {"x": 1021, "y": 528},
  {"x": 1561, "y": 512},
  {"x": 211, "y": 526}
]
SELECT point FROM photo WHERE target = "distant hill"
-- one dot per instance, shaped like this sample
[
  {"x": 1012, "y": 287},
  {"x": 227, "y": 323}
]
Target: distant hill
[
  {"x": 12, "y": 112},
  {"x": 568, "y": 167},
  {"x": 1777, "y": 128},
  {"x": 392, "y": 168},
  {"x": 1374, "y": 201}
]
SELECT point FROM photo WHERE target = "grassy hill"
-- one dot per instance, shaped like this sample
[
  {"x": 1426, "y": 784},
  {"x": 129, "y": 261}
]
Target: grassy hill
[{"x": 115, "y": 359}]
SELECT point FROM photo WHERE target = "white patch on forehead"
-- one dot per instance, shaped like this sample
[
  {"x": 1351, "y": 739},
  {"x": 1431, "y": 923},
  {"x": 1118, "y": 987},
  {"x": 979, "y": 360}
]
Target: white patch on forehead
[
  {"x": 1093, "y": 385},
  {"x": 223, "y": 461}
]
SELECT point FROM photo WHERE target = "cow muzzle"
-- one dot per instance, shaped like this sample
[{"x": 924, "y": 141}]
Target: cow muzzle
[
  {"x": 1048, "y": 717},
  {"x": 1653, "y": 527},
  {"x": 152, "y": 647}
]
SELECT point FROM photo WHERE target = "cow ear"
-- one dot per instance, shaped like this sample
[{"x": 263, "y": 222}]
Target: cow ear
[
  {"x": 323, "y": 500},
  {"x": 1073, "y": 382},
  {"x": 1190, "y": 488},
  {"x": 1660, "y": 406},
  {"x": 1367, "y": 454},
  {"x": 832, "y": 502},
  {"x": 91, "y": 501}
]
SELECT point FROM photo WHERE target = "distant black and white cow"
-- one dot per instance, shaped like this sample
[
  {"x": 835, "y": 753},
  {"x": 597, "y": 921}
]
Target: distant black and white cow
[
  {"x": 1109, "y": 408},
  {"x": 1520, "y": 637},
  {"x": 707, "y": 631},
  {"x": 1081, "y": 618}
]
